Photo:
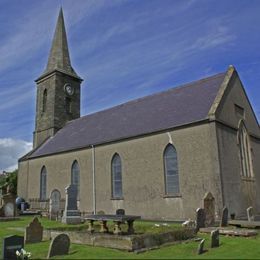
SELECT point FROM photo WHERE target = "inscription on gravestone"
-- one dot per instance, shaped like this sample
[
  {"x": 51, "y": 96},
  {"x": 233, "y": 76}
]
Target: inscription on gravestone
[
  {"x": 209, "y": 207},
  {"x": 59, "y": 245},
  {"x": 9, "y": 209},
  {"x": 224, "y": 217},
  {"x": 10, "y": 245}
]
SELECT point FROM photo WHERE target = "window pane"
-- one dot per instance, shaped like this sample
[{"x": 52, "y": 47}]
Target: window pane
[
  {"x": 116, "y": 177},
  {"x": 171, "y": 171}
]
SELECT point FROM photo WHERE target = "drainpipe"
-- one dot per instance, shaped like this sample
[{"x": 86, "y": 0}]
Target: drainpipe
[{"x": 94, "y": 179}]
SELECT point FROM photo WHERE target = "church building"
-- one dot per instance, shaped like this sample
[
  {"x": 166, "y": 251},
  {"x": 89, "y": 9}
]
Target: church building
[{"x": 155, "y": 156}]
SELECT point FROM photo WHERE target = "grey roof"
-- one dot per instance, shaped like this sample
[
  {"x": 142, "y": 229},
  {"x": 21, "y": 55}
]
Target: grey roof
[{"x": 165, "y": 110}]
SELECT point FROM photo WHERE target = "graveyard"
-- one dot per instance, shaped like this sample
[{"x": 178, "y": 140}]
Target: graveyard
[{"x": 230, "y": 247}]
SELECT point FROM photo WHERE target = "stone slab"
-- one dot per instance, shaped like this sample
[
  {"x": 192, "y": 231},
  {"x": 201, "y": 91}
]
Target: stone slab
[
  {"x": 244, "y": 223},
  {"x": 241, "y": 232}
]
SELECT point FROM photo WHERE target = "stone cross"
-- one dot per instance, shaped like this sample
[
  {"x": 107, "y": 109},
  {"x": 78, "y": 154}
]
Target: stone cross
[
  {"x": 59, "y": 246},
  {"x": 250, "y": 214},
  {"x": 33, "y": 232},
  {"x": 214, "y": 235},
  {"x": 201, "y": 247},
  {"x": 209, "y": 207},
  {"x": 224, "y": 217},
  {"x": 200, "y": 218}
]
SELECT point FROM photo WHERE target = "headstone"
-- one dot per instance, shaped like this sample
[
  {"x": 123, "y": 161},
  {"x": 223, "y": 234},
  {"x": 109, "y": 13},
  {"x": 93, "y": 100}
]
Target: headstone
[
  {"x": 120, "y": 212},
  {"x": 200, "y": 218},
  {"x": 55, "y": 199},
  {"x": 9, "y": 205},
  {"x": 224, "y": 217},
  {"x": 9, "y": 209},
  {"x": 33, "y": 232},
  {"x": 209, "y": 207},
  {"x": 214, "y": 235},
  {"x": 71, "y": 214},
  {"x": 250, "y": 214},
  {"x": 59, "y": 245},
  {"x": 201, "y": 247},
  {"x": 10, "y": 245}
]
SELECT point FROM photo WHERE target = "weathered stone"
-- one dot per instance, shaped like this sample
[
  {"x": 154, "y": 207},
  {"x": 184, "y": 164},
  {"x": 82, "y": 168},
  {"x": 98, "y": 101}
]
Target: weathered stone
[
  {"x": 10, "y": 245},
  {"x": 214, "y": 235},
  {"x": 9, "y": 207},
  {"x": 120, "y": 212},
  {"x": 200, "y": 218},
  {"x": 33, "y": 232},
  {"x": 54, "y": 204},
  {"x": 250, "y": 214},
  {"x": 59, "y": 245},
  {"x": 224, "y": 217},
  {"x": 201, "y": 247},
  {"x": 71, "y": 214},
  {"x": 209, "y": 207}
]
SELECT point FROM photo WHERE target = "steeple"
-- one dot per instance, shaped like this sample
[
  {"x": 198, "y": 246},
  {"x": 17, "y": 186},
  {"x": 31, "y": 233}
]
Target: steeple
[
  {"x": 59, "y": 58},
  {"x": 58, "y": 89}
]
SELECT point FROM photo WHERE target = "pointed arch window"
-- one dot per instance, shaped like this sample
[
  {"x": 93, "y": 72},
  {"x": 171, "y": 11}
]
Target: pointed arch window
[
  {"x": 43, "y": 183},
  {"x": 171, "y": 174},
  {"x": 244, "y": 151},
  {"x": 75, "y": 175},
  {"x": 44, "y": 100},
  {"x": 116, "y": 168}
]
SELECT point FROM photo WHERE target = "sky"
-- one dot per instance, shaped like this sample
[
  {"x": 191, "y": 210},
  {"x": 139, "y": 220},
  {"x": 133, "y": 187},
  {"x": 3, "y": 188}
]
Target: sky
[{"x": 123, "y": 49}]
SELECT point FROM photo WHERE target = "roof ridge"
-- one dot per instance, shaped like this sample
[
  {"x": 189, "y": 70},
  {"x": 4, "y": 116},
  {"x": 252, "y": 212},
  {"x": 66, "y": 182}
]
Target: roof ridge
[{"x": 150, "y": 95}]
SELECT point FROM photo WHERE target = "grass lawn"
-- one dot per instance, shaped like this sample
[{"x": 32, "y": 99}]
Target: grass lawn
[{"x": 230, "y": 247}]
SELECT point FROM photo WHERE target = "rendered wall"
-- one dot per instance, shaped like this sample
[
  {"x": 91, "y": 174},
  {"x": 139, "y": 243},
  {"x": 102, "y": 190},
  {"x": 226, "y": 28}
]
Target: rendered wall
[{"x": 142, "y": 174}]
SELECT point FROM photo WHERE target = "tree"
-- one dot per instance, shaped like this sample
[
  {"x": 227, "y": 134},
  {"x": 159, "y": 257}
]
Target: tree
[{"x": 8, "y": 182}]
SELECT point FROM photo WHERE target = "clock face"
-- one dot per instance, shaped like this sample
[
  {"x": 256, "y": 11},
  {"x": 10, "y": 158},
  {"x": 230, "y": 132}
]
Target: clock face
[{"x": 69, "y": 89}]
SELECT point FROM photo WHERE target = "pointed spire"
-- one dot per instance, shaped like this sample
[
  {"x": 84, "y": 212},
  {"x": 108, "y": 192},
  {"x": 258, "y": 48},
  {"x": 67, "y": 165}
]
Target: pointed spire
[{"x": 59, "y": 58}]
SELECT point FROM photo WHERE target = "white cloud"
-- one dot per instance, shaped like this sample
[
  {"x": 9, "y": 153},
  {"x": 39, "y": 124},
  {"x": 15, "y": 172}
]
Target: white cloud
[{"x": 10, "y": 151}]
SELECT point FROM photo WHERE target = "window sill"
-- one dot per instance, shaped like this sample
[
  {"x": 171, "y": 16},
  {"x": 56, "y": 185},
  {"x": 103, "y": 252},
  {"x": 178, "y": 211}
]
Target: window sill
[
  {"x": 117, "y": 198},
  {"x": 172, "y": 196},
  {"x": 249, "y": 179}
]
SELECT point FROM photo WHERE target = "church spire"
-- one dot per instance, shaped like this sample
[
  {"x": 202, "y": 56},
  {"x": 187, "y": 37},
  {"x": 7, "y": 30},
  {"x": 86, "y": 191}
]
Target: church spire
[{"x": 59, "y": 58}]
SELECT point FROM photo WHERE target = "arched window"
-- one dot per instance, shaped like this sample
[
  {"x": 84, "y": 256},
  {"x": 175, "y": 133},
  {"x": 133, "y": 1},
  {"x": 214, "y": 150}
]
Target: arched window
[
  {"x": 44, "y": 100},
  {"x": 171, "y": 171},
  {"x": 244, "y": 151},
  {"x": 75, "y": 175},
  {"x": 43, "y": 183},
  {"x": 116, "y": 169}
]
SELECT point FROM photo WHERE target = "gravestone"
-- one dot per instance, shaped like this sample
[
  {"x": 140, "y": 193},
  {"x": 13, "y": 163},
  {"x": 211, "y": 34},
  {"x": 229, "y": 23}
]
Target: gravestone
[
  {"x": 55, "y": 199},
  {"x": 71, "y": 214},
  {"x": 60, "y": 245},
  {"x": 120, "y": 212},
  {"x": 200, "y": 218},
  {"x": 33, "y": 232},
  {"x": 201, "y": 247},
  {"x": 250, "y": 214},
  {"x": 224, "y": 217},
  {"x": 214, "y": 235},
  {"x": 9, "y": 205},
  {"x": 209, "y": 207},
  {"x": 10, "y": 245}
]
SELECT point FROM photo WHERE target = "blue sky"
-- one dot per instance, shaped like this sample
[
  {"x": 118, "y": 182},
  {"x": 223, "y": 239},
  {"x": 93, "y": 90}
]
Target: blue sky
[{"x": 123, "y": 50}]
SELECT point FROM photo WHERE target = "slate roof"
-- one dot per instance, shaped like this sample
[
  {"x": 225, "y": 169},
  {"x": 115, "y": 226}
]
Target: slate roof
[{"x": 165, "y": 110}]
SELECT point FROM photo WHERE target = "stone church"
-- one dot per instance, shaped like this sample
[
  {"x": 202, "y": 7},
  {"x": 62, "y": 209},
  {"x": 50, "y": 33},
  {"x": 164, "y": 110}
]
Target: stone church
[{"x": 155, "y": 157}]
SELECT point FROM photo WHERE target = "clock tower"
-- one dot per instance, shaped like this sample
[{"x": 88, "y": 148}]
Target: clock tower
[{"x": 58, "y": 89}]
